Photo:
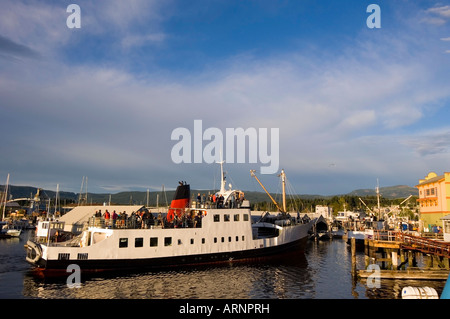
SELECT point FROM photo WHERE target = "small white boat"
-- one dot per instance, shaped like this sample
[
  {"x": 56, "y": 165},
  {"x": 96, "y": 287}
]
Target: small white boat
[{"x": 13, "y": 232}]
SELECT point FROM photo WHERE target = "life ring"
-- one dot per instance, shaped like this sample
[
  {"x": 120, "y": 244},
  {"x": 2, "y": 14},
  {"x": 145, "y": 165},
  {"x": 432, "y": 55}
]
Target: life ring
[{"x": 36, "y": 248}]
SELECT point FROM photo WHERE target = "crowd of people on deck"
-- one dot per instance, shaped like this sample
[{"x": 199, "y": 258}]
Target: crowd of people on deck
[
  {"x": 218, "y": 201},
  {"x": 145, "y": 219}
]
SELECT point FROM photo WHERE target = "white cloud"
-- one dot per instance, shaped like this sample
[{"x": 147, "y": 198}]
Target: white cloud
[
  {"x": 438, "y": 15},
  {"x": 42, "y": 25},
  {"x": 443, "y": 11}
]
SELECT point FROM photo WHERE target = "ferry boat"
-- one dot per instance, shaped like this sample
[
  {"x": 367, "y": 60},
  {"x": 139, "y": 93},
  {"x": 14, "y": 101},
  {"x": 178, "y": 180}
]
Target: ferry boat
[{"x": 189, "y": 233}]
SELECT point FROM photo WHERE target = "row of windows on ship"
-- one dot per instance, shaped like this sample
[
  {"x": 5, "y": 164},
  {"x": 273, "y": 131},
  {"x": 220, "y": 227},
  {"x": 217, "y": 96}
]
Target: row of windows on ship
[{"x": 139, "y": 241}]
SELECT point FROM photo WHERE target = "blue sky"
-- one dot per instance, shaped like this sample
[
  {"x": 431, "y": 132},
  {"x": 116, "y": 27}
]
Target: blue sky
[{"x": 352, "y": 104}]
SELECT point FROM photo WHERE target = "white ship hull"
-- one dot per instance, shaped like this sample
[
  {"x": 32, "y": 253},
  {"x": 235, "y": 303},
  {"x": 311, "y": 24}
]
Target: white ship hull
[{"x": 225, "y": 235}]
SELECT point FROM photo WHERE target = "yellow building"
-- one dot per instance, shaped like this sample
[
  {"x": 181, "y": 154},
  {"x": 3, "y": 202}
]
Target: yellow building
[{"x": 434, "y": 199}]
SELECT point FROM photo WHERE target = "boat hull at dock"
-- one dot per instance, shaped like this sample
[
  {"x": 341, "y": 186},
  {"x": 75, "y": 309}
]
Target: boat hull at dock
[{"x": 225, "y": 235}]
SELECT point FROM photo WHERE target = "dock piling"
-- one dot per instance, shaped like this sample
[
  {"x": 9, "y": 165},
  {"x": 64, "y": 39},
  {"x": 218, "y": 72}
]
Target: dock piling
[{"x": 353, "y": 247}]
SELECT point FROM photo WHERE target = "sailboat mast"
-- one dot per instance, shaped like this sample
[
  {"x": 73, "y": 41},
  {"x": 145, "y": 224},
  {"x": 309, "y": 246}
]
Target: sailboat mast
[
  {"x": 57, "y": 203},
  {"x": 6, "y": 197}
]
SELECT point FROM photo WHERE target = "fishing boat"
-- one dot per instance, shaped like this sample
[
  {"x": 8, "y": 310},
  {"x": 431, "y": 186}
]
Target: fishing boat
[{"x": 189, "y": 233}]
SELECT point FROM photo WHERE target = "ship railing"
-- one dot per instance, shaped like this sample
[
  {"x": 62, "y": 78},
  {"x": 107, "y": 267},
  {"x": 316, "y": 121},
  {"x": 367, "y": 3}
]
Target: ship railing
[{"x": 136, "y": 222}]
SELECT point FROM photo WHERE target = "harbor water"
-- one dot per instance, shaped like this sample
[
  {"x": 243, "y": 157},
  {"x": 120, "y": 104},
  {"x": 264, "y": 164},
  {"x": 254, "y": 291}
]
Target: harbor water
[{"x": 322, "y": 272}]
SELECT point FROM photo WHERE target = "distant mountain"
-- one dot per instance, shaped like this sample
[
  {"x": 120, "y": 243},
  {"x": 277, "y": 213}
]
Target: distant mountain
[
  {"x": 164, "y": 198},
  {"x": 399, "y": 191}
]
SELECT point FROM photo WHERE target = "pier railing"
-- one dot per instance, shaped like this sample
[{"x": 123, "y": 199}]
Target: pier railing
[
  {"x": 425, "y": 245},
  {"x": 411, "y": 241}
]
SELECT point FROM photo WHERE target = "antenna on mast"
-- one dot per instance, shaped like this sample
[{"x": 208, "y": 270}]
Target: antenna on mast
[{"x": 222, "y": 175}]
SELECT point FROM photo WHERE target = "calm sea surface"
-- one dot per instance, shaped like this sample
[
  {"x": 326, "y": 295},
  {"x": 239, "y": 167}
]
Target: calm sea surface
[{"x": 322, "y": 272}]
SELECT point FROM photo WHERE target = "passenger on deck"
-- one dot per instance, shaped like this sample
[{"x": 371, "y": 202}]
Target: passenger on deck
[
  {"x": 220, "y": 202},
  {"x": 124, "y": 218},
  {"x": 114, "y": 219},
  {"x": 214, "y": 200},
  {"x": 198, "y": 220},
  {"x": 160, "y": 220},
  {"x": 107, "y": 217}
]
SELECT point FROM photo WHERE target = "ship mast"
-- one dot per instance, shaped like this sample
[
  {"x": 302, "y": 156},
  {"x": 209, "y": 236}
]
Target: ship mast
[
  {"x": 378, "y": 199},
  {"x": 283, "y": 183},
  {"x": 222, "y": 178},
  {"x": 252, "y": 172}
]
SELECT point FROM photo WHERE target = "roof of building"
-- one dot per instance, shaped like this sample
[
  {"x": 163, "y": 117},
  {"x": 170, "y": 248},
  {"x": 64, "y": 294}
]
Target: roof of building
[{"x": 431, "y": 179}]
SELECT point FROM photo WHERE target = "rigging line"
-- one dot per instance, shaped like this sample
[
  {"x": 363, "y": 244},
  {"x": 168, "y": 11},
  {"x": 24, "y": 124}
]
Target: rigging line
[{"x": 292, "y": 194}]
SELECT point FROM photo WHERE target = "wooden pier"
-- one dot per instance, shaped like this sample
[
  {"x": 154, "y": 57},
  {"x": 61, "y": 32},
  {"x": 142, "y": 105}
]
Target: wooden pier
[{"x": 397, "y": 255}]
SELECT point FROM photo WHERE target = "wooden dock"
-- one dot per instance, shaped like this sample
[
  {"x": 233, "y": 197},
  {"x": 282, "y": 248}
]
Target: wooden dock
[
  {"x": 396, "y": 254},
  {"x": 410, "y": 273}
]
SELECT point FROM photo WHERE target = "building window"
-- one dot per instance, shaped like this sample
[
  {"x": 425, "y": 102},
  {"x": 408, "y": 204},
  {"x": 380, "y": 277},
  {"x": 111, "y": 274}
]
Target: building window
[
  {"x": 223, "y": 239},
  {"x": 203, "y": 240},
  {"x": 139, "y": 242},
  {"x": 226, "y": 217},
  {"x": 179, "y": 242},
  {"x": 153, "y": 241},
  {"x": 192, "y": 241},
  {"x": 236, "y": 217},
  {"x": 246, "y": 217},
  {"x": 167, "y": 241},
  {"x": 215, "y": 240},
  {"x": 123, "y": 242},
  {"x": 216, "y": 218}
]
